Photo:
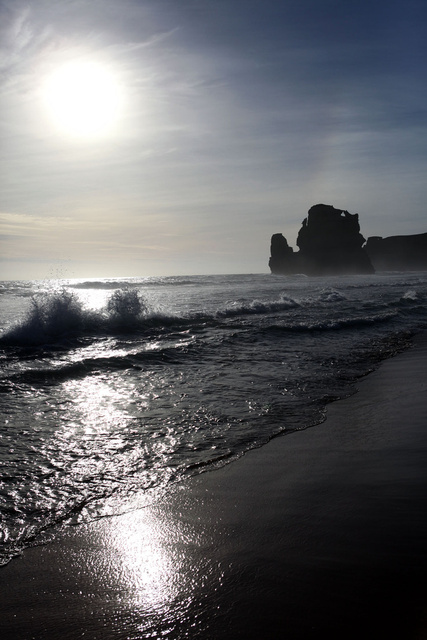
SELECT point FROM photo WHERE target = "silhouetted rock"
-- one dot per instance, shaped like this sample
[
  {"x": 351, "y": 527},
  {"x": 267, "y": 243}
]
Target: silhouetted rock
[
  {"x": 282, "y": 255},
  {"x": 398, "y": 253},
  {"x": 329, "y": 243}
]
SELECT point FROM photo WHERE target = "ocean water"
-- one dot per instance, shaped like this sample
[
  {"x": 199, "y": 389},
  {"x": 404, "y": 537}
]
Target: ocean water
[{"x": 112, "y": 389}]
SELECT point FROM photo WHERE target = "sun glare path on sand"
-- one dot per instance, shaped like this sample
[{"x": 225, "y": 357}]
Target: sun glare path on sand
[{"x": 84, "y": 99}]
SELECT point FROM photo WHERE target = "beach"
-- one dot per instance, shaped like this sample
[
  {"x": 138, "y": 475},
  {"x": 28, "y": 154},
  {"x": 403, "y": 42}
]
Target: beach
[{"x": 321, "y": 531}]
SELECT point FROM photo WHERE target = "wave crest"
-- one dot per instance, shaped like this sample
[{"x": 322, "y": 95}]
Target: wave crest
[
  {"x": 258, "y": 307},
  {"x": 127, "y": 304},
  {"x": 60, "y": 316}
]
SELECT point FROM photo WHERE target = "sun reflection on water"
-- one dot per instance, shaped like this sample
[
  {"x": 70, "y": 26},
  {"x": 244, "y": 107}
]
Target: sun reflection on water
[
  {"x": 96, "y": 404},
  {"x": 155, "y": 563},
  {"x": 142, "y": 554},
  {"x": 145, "y": 562}
]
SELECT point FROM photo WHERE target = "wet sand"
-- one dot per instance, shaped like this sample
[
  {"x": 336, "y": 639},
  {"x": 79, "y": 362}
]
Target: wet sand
[{"x": 323, "y": 531}]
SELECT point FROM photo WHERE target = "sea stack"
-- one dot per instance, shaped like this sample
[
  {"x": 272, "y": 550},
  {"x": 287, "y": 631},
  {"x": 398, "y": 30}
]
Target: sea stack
[{"x": 330, "y": 243}]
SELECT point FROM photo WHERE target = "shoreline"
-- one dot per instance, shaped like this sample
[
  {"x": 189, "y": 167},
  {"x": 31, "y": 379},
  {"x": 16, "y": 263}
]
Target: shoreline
[{"x": 322, "y": 530}]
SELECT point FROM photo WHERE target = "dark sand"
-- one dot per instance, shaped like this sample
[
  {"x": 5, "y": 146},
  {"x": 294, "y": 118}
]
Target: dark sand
[{"x": 321, "y": 532}]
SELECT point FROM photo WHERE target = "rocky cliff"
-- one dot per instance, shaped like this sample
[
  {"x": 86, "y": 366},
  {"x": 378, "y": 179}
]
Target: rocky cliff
[
  {"x": 329, "y": 243},
  {"x": 398, "y": 253}
]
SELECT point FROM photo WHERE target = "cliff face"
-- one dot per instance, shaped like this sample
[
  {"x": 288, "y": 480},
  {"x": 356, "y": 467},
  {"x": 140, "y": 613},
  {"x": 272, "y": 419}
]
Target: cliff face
[
  {"x": 398, "y": 253},
  {"x": 329, "y": 243}
]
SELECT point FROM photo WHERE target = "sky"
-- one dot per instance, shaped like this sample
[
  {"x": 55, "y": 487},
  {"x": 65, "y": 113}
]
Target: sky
[{"x": 174, "y": 137}]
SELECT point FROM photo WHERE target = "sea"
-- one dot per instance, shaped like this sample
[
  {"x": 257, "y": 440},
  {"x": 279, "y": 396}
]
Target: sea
[{"x": 111, "y": 390}]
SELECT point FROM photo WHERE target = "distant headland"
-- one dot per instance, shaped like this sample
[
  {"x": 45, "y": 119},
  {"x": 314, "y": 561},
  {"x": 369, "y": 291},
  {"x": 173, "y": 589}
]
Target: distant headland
[{"x": 330, "y": 243}]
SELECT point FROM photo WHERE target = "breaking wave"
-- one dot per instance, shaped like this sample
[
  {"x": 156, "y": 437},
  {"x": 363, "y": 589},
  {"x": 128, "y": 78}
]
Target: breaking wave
[
  {"x": 258, "y": 307},
  {"x": 60, "y": 316}
]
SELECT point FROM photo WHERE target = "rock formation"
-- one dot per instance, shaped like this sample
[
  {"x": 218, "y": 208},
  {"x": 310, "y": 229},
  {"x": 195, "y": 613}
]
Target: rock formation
[
  {"x": 329, "y": 243},
  {"x": 283, "y": 259},
  {"x": 398, "y": 253}
]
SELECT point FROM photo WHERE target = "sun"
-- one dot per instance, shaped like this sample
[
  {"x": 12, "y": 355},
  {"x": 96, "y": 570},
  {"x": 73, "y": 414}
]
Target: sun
[{"x": 83, "y": 99}]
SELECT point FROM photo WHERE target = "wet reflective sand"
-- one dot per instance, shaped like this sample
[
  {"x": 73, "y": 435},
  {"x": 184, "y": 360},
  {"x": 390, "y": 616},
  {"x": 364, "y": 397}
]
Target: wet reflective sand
[{"x": 322, "y": 531}]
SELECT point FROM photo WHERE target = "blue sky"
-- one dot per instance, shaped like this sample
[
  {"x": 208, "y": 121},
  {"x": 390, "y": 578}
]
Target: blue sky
[{"x": 234, "y": 118}]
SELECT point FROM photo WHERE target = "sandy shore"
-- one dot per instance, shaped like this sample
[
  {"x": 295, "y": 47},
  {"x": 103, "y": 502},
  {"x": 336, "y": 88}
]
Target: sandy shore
[{"x": 323, "y": 531}]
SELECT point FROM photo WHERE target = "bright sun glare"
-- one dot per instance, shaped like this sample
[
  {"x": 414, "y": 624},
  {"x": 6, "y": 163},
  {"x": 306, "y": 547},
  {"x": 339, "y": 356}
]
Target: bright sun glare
[{"x": 83, "y": 99}]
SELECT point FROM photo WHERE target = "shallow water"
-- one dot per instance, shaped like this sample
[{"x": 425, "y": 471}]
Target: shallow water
[{"x": 114, "y": 388}]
